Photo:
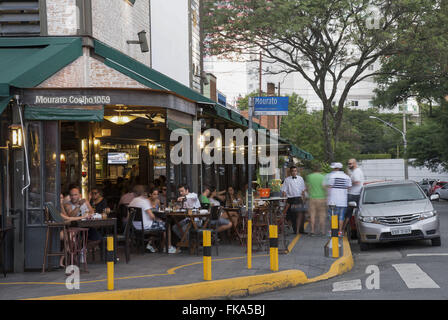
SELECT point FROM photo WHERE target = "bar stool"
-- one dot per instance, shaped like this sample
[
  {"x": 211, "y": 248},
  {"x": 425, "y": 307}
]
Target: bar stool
[
  {"x": 77, "y": 246},
  {"x": 48, "y": 250}
]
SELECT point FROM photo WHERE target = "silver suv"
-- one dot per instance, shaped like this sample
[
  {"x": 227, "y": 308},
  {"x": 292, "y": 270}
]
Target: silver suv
[{"x": 394, "y": 211}]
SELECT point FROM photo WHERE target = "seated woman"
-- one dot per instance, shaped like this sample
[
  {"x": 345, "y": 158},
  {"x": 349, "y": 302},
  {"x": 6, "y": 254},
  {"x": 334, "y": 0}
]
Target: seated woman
[
  {"x": 66, "y": 217},
  {"x": 98, "y": 202},
  {"x": 223, "y": 222},
  {"x": 233, "y": 199},
  {"x": 150, "y": 221}
]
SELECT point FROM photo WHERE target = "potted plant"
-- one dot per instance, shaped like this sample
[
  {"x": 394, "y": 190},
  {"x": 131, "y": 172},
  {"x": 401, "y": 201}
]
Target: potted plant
[
  {"x": 275, "y": 185},
  {"x": 262, "y": 182}
]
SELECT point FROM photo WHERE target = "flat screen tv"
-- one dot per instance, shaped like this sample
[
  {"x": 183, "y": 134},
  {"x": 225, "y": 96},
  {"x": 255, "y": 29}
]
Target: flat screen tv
[{"x": 117, "y": 158}]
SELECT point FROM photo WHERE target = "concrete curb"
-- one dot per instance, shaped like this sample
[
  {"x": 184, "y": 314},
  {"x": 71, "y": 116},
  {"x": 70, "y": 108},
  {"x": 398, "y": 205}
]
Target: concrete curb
[{"x": 234, "y": 287}]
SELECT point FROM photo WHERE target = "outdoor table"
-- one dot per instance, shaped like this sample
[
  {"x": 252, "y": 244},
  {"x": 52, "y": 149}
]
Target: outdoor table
[
  {"x": 100, "y": 223},
  {"x": 178, "y": 216},
  {"x": 3, "y": 233}
]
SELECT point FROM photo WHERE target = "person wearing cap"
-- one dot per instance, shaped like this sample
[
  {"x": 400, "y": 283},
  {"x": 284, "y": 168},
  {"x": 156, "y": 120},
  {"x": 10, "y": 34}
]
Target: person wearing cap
[
  {"x": 294, "y": 189},
  {"x": 338, "y": 184}
]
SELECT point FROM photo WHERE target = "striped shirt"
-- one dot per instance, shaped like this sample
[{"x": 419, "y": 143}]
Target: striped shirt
[{"x": 338, "y": 183}]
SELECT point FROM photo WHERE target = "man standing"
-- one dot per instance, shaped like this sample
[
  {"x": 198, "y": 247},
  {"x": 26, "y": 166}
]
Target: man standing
[
  {"x": 294, "y": 189},
  {"x": 338, "y": 184},
  {"x": 357, "y": 177},
  {"x": 317, "y": 194}
]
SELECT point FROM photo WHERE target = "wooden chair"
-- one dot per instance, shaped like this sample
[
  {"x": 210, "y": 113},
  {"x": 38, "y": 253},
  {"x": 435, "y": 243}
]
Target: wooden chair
[
  {"x": 196, "y": 235},
  {"x": 142, "y": 234},
  {"x": 126, "y": 236},
  {"x": 55, "y": 223}
]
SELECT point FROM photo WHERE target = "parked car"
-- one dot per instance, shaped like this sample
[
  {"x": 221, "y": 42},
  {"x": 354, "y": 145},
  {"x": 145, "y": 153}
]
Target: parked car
[
  {"x": 426, "y": 185},
  {"x": 437, "y": 185},
  {"x": 395, "y": 211},
  {"x": 443, "y": 192}
]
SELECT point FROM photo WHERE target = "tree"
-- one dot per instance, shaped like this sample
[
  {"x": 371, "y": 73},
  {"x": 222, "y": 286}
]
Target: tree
[
  {"x": 420, "y": 70},
  {"x": 420, "y": 67},
  {"x": 359, "y": 133},
  {"x": 325, "y": 41}
]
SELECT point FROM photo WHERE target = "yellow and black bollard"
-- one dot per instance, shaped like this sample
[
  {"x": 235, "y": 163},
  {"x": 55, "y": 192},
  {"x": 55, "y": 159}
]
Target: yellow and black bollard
[
  {"x": 334, "y": 235},
  {"x": 110, "y": 263},
  {"x": 249, "y": 244},
  {"x": 273, "y": 245},
  {"x": 207, "y": 244}
]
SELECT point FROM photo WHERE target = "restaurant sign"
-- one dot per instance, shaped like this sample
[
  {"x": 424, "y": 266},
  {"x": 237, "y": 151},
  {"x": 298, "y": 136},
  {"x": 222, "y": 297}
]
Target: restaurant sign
[{"x": 72, "y": 100}]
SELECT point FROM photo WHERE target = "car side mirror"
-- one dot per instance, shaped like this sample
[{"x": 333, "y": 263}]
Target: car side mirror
[
  {"x": 353, "y": 204},
  {"x": 434, "y": 197}
]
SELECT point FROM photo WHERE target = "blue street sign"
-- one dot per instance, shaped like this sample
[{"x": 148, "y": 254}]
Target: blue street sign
[{"x": 271, "y": 106}]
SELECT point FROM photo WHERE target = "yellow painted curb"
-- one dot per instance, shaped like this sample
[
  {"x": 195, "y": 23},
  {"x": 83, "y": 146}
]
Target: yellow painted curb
[
  {"x": 234, "y": 287},
  {"x": 241, "y": 286}
]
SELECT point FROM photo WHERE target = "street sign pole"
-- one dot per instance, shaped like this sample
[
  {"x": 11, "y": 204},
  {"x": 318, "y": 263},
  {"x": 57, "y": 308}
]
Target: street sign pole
[{"x": 249, "y": 187}]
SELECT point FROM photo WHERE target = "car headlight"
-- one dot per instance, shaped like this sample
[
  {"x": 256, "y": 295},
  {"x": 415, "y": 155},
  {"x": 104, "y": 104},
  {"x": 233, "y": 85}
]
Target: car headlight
[
  {"x": 428, "y": 214},
  {"x": 367, "y": 219}
]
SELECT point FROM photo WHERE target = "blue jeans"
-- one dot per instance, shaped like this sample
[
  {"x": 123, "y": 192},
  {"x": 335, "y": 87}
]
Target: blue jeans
[{"x": 338, "y": 211}]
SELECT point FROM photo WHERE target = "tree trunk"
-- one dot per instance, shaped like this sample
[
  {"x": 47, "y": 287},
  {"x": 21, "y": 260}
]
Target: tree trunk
[{"x": 329, "y": 152}]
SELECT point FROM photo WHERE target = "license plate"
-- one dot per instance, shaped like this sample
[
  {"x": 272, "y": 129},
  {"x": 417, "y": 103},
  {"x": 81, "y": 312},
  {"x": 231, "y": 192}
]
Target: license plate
[{"x": 400, "y": 231}]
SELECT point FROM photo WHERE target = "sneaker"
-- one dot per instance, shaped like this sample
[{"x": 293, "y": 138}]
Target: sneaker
[
  {"x": 340, "y": 234},
  {"x": 149, "y": 248},
  {"x": 172, "y": 249}
]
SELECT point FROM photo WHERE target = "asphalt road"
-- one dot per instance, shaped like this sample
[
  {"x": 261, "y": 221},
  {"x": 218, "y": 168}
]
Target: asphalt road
[{"x": 411, "y": 270}]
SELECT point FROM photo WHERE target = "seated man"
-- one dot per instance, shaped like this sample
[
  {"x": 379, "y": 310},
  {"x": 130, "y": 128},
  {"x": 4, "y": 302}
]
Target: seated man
[
  {"x": 189, "y": 200},
  {"x": 150, "y": 221},
  {"x": 78, "y": 207},
  {"x": 208, "y": 196}
]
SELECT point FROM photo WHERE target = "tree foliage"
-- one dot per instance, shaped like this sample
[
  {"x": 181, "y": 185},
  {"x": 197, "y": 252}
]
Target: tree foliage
[
  {"x": 330, "y": 43},
  {"x": 420, "y": 70}
]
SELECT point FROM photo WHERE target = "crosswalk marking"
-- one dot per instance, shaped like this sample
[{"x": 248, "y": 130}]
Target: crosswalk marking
[
  {"x": 347, "y": 285},
  {"x": 414, "y": 276},
  {"x": 426, "y": 254}
]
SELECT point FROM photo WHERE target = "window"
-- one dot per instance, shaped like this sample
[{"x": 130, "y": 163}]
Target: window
[
  {"x": 20, "y": 18},
  {"x": 354, "y": 103}
]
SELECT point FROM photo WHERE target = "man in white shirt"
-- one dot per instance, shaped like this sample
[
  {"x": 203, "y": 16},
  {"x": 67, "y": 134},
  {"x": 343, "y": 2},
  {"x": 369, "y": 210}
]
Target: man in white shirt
[
  {"x": 338, "y": 184},
  {"x": 357, "y": 177},
  {"x": 294, "y": 189},
  {"x": 149, "y": 219},
  {"x": 189, "y": 200}
]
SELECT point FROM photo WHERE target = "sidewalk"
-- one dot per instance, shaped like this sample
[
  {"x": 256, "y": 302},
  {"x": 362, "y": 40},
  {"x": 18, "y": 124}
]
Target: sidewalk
[{"x": 180, "y": 276}]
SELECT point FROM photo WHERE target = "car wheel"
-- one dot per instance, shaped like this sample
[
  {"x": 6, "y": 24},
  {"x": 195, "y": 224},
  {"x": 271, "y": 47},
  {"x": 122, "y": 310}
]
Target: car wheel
[{"x": 436, "y": 242}]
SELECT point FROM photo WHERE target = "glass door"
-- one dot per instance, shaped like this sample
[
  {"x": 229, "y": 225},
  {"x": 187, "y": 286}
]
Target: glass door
[{"x": 44, "y": 165}]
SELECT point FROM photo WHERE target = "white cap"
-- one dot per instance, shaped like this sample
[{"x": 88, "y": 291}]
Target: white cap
[{"x": 336, "y": 165}]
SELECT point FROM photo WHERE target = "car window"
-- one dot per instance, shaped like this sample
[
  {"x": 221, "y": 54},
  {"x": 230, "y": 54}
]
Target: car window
[{"x": 392, "y": 193}]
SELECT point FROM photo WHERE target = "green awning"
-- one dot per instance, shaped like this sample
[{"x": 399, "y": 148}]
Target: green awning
[
  {"x": 27, "y": 62},
  {"x": 235, "y": 116},
  {"x": 145, "y": 75},
  {"x": 4, "y": 103},
  {"x": 68, "y": 114},
  {"x": 221, "y": 111},
  {"x": 173, "y": 125}
]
